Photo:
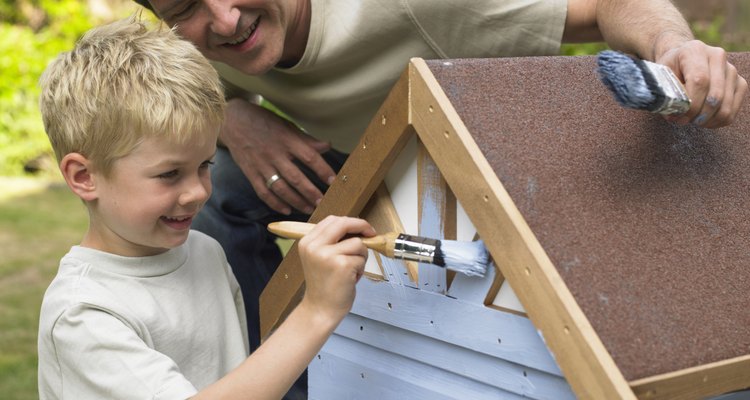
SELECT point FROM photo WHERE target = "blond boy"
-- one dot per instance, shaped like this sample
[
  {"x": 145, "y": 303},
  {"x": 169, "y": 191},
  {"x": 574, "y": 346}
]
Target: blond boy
[{"x": 144, "y": 307}]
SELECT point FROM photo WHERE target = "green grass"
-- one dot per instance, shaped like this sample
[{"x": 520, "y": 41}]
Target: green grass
[{"x": 38, "y": 224}]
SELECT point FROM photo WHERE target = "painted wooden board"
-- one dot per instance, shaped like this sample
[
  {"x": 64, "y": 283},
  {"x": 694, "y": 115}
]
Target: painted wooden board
[
  {"x": 339, "y": 374},
  {"x": 502, "y": 335},
  {"x": 409, "y": 343},
  {"x": 437, "y": 217}
]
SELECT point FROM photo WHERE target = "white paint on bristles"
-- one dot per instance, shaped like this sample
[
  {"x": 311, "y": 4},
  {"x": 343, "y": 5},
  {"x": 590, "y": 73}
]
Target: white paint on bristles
[{"x": 469, "y": 258}]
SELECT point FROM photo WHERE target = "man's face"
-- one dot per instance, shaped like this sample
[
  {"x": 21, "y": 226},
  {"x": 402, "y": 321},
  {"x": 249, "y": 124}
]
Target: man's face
[{"x": 249, "y": 35}]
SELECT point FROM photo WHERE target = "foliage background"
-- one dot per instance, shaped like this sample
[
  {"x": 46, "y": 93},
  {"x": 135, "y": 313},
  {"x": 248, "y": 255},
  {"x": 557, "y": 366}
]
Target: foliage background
[{"x": 32, "y": 32}]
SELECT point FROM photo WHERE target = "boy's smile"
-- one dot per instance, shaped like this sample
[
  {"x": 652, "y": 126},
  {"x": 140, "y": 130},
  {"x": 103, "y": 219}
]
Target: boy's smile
[{"x": 147, "y": 203}]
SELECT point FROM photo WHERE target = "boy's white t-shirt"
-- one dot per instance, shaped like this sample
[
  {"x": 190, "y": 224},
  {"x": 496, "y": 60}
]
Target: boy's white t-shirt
[
  {"x": 159, "y": 327},
  {"x": 357, "y": 50}
]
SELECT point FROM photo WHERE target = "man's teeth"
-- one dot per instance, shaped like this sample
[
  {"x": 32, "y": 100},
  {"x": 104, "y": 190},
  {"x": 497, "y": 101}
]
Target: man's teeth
[{"x": 245, "y": 35}]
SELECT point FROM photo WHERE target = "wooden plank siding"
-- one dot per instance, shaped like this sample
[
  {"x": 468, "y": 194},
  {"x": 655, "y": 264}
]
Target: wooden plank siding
[{"x": 418, "y": 342}]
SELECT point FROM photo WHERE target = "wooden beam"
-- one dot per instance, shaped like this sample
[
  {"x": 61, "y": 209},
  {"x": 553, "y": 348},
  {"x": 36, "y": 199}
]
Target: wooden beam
[
  {"x": 696, "y": 383},
  {"x": 381, "y": 214}
]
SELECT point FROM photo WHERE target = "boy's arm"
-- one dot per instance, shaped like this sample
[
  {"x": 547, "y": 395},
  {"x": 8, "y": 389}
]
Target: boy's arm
[
  {"x": 655, "y": 30},
  {"x": 332, "y": 268}
]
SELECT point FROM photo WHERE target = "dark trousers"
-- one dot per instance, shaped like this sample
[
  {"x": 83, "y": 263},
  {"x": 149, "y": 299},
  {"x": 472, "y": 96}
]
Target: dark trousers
[{"x": 237, "y": 218}]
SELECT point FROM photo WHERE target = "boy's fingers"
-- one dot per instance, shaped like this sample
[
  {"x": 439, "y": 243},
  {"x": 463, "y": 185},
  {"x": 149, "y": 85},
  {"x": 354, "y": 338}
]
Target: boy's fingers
[
  {"x": 352, "y": 246},
  {"x": 358, "y": 262},
  {"x": 332, "y": 229}
]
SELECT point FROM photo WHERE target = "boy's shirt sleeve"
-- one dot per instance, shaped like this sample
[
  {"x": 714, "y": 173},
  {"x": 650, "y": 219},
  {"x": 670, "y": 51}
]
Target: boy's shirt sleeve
[{"x": 101, "y": 357}]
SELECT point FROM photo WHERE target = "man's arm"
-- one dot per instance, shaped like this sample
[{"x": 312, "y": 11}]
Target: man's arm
[{"x": 655, "y": 30}]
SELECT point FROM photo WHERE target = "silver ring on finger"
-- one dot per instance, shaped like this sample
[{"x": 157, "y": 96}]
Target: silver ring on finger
[{"x": 272, "y": 180}]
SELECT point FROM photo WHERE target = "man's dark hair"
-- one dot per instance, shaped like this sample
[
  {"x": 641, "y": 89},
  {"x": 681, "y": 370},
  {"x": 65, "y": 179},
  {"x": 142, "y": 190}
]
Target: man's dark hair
[{"x": 146, "y": 4}]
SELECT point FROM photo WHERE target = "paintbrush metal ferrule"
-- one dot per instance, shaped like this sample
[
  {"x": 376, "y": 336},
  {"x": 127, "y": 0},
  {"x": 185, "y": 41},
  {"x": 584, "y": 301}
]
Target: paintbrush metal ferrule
[
  {"x": 416, "y": 248},
  {"x": 675, "y": 100}
]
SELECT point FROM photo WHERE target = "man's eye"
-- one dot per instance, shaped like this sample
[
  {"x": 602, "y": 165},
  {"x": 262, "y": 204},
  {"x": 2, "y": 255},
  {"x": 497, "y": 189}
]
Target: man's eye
[
  {"x": 168, "y": 175},
  {"x": 206, "y": 164},
  {"x": 184, "y": 12}
]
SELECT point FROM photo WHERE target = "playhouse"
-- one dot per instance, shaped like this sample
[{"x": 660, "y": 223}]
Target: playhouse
[{"x": 621, "y": 243}]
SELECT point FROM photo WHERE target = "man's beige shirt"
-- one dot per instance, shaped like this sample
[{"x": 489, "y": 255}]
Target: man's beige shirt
[{"x": 357, "y": 50}]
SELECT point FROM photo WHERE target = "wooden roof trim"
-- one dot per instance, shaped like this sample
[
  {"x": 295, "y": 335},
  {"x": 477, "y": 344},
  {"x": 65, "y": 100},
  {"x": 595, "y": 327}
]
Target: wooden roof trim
[
  {"x": 698, "y": 382},
  {"x": 381, "y": 213}
]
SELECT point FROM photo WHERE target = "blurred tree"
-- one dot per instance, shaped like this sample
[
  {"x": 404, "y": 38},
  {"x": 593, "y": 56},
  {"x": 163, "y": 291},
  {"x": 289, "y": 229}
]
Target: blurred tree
[
  {"x": 32, "y": 32},
  {"x": 724, "y": 23}
]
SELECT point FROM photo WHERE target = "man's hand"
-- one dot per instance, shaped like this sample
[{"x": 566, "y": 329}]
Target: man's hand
[
  {"x": 715, "y": 88},
  {"x": 656, "y": 31},
  {"x": 264, "y": 146}
]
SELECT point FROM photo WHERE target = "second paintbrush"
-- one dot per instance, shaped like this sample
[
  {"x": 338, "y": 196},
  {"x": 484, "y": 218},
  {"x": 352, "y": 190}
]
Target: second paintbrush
[{"x": 470, "y": 258}]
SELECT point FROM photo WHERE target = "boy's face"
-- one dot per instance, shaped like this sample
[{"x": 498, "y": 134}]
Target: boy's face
[
  {"x": 147, "y": 203},
  {"x": 250, "y": 35}
]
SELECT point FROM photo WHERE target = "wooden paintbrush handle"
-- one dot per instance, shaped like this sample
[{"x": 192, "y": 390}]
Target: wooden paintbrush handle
[
  {"x": 383, "y": 244},
  {"x": 290, "y": 229}
]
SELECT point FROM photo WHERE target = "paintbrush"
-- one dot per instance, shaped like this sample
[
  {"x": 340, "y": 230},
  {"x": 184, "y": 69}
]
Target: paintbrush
[
  {"x": 642, "y": 84},
  {"x": 470, "y": 258}
]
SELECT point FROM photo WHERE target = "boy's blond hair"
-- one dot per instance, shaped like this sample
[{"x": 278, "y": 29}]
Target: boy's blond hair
[{"x": 124, "y": 82}]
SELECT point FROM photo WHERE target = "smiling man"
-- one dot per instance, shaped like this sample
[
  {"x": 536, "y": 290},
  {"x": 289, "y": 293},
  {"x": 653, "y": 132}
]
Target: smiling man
[{"x": 329, "y": 64}]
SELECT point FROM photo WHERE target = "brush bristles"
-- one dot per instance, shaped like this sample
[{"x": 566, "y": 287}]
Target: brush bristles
[
  {"x": 470, "y": 258},
  {"x": 625, "y": 79},
  {"x": 642, "y": 85}
]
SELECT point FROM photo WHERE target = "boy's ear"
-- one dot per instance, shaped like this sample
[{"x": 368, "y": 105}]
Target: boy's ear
[{"x": 76, "y": 169}]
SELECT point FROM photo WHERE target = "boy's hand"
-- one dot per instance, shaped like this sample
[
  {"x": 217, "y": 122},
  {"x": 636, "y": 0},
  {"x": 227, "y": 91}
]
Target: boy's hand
[{"x": 333, "y": 266}]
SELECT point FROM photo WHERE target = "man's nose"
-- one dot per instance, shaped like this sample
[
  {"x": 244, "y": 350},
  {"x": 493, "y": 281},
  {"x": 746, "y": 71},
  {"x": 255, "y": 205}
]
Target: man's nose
[{"x": 225, "y": 17}]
